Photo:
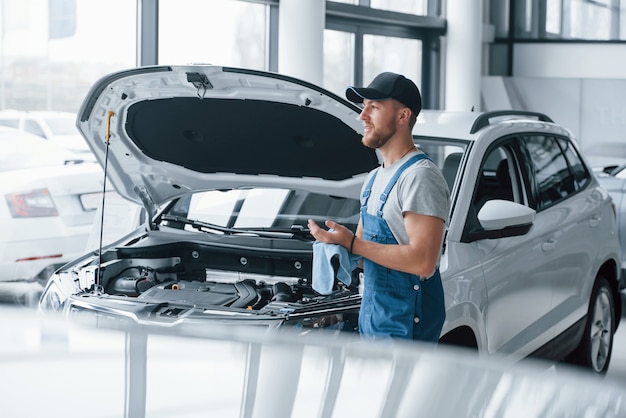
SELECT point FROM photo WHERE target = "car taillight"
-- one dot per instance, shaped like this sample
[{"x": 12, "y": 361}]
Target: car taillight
[{"x": 34, "y": 203}]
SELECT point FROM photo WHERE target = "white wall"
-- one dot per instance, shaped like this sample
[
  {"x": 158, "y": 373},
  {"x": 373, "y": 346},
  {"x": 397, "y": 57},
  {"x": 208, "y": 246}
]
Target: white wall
[
  {"x": 594, "y": 109},
  {"x": 579, "y": 85},
  {"x": 570, "y": 60}
]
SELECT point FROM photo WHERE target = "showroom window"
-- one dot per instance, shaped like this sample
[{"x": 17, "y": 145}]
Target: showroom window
[
  {"x": 221, "y": 32},
  {"x": 386, "y": 53},
  {"x": 597, "y": 20},
  {"x": 52, "y": 51},
  {"x": 410, "y": 46},
  {"x": 415, "y": 7},
  {"x": 338, "y": 60}
]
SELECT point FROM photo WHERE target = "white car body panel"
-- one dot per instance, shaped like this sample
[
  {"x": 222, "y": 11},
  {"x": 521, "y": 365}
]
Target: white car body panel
[{"x": 42, "y": 241}]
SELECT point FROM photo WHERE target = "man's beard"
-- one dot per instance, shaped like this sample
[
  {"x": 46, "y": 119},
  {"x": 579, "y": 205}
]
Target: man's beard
[{"x": 377, "y": 138}]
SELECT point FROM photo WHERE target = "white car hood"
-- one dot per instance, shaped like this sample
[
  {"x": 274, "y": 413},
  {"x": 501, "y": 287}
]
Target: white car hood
[{"x": 164, "y": 131}]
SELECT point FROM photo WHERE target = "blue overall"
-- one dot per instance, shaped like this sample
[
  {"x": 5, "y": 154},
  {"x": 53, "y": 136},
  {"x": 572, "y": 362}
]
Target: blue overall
[{"x": 396, "y": 304}]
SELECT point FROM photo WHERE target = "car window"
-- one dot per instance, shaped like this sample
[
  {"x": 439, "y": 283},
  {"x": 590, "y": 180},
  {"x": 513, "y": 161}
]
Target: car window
[
  {"x": 265, "y": 208},
  {"x": 11, "y": 123},
  {"x": 282, "y": 208},
  {"x": 621, "y": 174},
  {"x": 498, "y": 178},
  {"x": 447, "y": 156},
  {"x": 553, "y": 177},
  {"x": 579, "y": 170},
  {"x": 33, "y": 127},
  {"x": 61, "y": 125}
]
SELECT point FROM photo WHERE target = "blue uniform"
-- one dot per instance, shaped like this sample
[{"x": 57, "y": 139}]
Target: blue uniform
[{"x": 396, "y": 304}]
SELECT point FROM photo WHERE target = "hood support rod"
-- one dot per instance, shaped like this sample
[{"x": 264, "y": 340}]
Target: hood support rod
[{"x": 107, "y": 139}]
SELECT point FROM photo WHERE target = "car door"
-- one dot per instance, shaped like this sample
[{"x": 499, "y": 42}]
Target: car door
[
  {"x": 518, "y": 280},
  {"x": 576, "y": 216}
]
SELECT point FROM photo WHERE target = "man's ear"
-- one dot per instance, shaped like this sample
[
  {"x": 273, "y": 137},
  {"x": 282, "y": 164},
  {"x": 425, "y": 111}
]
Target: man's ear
[{"x": 404, "y": 116}]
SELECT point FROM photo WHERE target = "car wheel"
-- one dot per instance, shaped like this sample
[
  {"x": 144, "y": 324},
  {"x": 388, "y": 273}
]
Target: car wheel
[{"x": 594, "y": 350}]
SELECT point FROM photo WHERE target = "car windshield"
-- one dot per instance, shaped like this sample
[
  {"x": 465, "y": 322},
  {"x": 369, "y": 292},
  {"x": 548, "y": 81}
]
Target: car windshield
[
  {"x": 62, "y": 125},
  {"x": 260, "y": 209},
  {"x": 19, "y": 150},
  {"x": 278, "y": 209}
]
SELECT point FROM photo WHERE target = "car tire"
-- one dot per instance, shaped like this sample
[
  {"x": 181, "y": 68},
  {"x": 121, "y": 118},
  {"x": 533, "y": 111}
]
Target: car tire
[{"x": 596, "y": 345}]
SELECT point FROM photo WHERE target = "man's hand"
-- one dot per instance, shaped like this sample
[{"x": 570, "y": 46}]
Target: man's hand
[{"x": 337, "y": 234}]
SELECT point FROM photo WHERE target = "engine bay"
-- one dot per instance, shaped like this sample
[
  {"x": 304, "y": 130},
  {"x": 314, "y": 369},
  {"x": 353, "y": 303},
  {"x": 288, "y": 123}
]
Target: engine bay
[{"x": 203, "y": 276}]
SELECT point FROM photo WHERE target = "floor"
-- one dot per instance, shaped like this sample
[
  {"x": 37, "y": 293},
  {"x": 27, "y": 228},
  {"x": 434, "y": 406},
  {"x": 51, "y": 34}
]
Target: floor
[{"x": 617, "y": 368}]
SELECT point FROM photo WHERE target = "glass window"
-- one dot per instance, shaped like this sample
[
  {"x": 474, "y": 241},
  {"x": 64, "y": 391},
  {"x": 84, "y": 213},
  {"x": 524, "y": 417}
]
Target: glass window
[
  {"x": 553, "y": 16},
  {"x": 415, "y": 7},
  {"x": 590, "y": 20},
  {"x": 220, "y": 32},
  {"x": 264, "y": 208},
  {"x": 11, "y": 123},
  {"x": 580, "y": 172},
  {"x": 386, "y": 53},
  {"x": 338, "y": 61},
  {"x": 495, "y": 181},
  {"x": 571, "y": 19},
  {"x": 33, "y": 127},
  {"x": 552, "y": 175},
  {"x": 52, "y": 51}
]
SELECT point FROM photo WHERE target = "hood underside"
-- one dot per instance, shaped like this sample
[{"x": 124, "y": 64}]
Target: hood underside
[{"x": 178, "y": 129}]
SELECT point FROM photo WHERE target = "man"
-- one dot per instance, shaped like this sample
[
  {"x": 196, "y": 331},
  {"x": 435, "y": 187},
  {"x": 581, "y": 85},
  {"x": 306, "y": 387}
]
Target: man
[{"x": 404, "y": 208}]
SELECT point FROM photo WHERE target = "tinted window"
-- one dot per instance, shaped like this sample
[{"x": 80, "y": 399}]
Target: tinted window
[
  {"x": 552, "y": 175},
  {"x": 579, "y": 171},
  {"x": 499, "y": 178}
]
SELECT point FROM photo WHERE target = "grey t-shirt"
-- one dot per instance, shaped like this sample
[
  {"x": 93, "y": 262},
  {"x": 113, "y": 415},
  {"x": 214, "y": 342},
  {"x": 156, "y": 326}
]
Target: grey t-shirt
[{"x": 420, "y": 189}]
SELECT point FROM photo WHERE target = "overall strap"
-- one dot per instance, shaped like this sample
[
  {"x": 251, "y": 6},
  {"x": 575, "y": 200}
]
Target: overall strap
[
  {"x": 385, "y": 194},
  {"x": 368, "y": 190}
]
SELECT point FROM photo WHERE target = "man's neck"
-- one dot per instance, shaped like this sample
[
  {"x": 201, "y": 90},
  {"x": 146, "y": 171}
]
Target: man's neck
[{"x": 395, "y": 153}]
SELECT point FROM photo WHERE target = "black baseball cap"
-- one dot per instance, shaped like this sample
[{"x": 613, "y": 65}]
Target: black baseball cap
[{"x": 389, "y": 85}]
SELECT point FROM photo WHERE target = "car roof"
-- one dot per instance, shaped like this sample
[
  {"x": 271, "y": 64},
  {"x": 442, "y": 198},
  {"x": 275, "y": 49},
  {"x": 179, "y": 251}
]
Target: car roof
[{"x": 470, "y": 125}]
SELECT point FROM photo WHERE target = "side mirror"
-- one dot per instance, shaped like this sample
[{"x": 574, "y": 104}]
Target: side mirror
[{"x": 499, "y": 214}]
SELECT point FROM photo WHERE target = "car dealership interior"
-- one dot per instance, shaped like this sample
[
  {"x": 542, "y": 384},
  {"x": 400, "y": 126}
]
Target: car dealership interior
[{"x": 151, "y": 149}]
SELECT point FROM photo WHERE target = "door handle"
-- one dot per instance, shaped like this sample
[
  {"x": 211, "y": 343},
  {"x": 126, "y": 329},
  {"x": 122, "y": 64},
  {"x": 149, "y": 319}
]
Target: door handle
[
  {"x": 594, "y": 221},
  {"x": 548, "y": 245}
]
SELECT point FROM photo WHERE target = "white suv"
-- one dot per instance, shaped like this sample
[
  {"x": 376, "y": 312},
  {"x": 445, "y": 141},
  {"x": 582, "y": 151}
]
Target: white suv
[
  {"x": 531, "y": 264},
  {"x": 230, "y": 163}
]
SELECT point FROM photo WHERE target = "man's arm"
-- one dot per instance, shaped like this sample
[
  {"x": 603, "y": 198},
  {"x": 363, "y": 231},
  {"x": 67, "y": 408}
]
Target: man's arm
[{"x": 419, "y": 256}]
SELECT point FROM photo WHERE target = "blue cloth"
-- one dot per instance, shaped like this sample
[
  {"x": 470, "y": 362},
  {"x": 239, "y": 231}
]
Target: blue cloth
[{"x": 323, "y": 270}]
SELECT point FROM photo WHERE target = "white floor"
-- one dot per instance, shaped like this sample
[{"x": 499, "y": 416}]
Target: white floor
[{"x": 617, "y": 368}]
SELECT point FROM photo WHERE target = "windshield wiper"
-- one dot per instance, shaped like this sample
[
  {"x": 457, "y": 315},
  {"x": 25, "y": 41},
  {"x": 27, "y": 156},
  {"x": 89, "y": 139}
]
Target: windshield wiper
[{"x": 295, "y": 232}]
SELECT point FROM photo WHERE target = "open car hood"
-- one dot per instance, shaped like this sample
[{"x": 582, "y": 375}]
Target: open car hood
[{"x": 164, "y": 131}]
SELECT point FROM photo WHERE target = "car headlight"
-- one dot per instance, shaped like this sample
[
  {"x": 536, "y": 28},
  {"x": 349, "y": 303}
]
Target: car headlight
[{"x": 53, "y": 297}]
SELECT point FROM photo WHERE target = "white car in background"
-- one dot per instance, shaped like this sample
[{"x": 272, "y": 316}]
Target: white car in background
[
  {"x": 48, "y": 198},
  {"x": 230, "y": 163},
  {"x": 55, "y": 126}
]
